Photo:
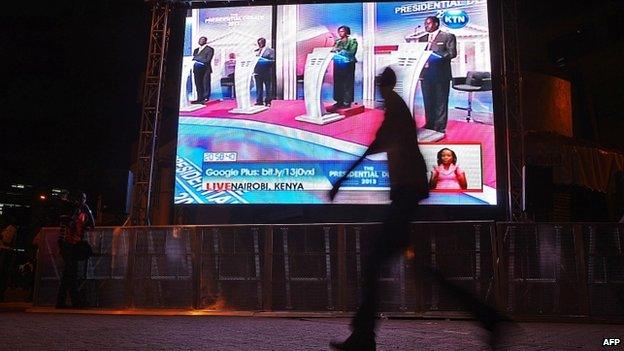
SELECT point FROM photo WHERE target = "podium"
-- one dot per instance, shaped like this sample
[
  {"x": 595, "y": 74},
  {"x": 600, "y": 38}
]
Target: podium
[
  {"x": 244, "y": 70},
  {"x": 187, "y": 74},
  {"x": 407, "y": 62},
  {"x": 316, "y": 66}
]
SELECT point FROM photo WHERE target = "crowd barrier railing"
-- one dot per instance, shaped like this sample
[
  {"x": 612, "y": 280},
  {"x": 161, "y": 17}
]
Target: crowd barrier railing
[{"x": 550, "y": 269}]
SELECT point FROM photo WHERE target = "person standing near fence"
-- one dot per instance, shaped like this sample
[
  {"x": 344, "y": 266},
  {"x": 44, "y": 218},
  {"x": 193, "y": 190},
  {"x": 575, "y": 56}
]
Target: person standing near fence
[
  {"x": 7, "y": 242},
  {"x": 73, "y": 249}
]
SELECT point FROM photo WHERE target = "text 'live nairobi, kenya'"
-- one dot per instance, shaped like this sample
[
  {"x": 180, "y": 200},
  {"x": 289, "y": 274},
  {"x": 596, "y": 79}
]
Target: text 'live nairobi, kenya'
[{"x": 253, "y": 186}]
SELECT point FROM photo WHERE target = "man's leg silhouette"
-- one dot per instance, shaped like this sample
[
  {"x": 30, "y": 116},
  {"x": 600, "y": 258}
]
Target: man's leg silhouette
[
  {"x": 487, "y": 316},
  {"x": 390, "y": 242}
]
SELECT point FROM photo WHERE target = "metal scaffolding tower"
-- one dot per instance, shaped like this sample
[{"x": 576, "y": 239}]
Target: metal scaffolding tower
[
  {"x": 151, "y": 114},
  {"x": 512, "y": 96}
]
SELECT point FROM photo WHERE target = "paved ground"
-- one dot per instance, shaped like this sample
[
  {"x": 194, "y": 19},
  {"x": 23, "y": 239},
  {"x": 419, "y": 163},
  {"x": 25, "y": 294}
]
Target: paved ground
[{"x": 41, "y": 331}]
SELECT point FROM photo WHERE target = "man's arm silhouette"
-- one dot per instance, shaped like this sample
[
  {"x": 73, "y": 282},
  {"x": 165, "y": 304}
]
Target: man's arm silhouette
[{"x": 373, "y": 148}]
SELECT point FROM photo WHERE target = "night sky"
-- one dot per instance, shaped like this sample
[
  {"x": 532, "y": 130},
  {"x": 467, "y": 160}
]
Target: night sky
[
  {"x": 72, "y": 107},
  {"x": 70, "y": 104}
]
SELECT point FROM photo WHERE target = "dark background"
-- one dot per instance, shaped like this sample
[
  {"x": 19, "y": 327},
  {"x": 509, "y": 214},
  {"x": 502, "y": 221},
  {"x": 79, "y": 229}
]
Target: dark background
[
  {"x": 70, "y": 105},
  {"x": 72, "y": 108}
]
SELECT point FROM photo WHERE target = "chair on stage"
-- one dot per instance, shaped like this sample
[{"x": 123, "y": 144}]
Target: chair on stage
[
  {"x": 228, "y": 82},
  {"x": 300, "y": 95},
  {"x": 474, "y": 81}
]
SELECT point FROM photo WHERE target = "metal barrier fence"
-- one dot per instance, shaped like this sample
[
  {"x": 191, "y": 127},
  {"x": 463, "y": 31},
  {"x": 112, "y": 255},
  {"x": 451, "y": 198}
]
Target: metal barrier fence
[
  {"x": 561, "y": 268},
  {"x": 549, "y": 269}
]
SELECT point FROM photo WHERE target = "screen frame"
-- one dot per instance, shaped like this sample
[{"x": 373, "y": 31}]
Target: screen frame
[{"x": 336, "y": 213}]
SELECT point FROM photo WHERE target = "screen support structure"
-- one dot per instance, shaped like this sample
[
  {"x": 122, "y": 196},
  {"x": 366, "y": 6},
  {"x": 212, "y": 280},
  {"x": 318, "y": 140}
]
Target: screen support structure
[
  {"x": 514, "y": 126},
  {"x": 510, "y": 75},
  {"x": 244, "y": 73},
  {"x": 150, "y": 114},
  {"x": 316, "y": 65}
]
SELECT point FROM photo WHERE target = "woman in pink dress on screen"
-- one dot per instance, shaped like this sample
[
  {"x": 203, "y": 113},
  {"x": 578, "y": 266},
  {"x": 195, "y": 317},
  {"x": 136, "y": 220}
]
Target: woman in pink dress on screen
[{"x": 447, "y": 175}]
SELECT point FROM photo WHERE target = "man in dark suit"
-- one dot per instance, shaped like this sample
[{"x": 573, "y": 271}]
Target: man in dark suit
[
  {"x": 202, "y": 56},
  {"x": 436, "y": 75},
  {"x": 264, "y": 73}
]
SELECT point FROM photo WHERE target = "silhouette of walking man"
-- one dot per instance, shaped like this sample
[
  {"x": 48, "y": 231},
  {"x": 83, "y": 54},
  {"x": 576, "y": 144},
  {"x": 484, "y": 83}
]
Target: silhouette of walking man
[{"x": 397, "y": 136}]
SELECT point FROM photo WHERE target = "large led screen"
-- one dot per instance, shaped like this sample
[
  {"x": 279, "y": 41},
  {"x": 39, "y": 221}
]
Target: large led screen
[{"x": 277, "y": 102}]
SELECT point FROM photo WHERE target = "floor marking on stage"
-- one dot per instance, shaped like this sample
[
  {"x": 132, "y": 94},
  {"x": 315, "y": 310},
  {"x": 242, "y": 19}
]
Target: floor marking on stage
[
  {"x": 233, "y": 193},
  {"x": 189, "y": 191},
  {"x": 286, "y": 131},
  {"x": 193, "y": 194}
]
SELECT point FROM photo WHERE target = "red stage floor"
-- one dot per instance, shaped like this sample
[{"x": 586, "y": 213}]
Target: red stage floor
[{"x": 358, "y": 128}]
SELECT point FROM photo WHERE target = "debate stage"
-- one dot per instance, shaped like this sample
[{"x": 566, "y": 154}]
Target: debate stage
[{"x": 359, "y": 128}]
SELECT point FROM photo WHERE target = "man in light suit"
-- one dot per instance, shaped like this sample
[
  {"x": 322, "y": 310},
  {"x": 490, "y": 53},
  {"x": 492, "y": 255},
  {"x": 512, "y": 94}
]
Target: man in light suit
[
  {"x": 264, "y": 73},
  {"x": 436, "y": 75},
  {"x": 202, "y": 57}
]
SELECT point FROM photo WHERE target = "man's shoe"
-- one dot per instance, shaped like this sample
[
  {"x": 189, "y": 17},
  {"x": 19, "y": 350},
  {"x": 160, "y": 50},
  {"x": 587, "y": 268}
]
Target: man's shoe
[
  {"x": 491, "y": 320},
  {"x": 259, "y": 103},
  {"x": 197, "y": 102},
  {"x": 355, "y": 342},
  {"x": 334, "y": 107}
]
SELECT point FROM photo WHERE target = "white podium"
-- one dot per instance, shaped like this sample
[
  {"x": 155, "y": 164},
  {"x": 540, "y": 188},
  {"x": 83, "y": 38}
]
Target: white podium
[
  {"x": 316, "y": 65},
  {"x": 244, "y": 70},
  {"x": 187, "y": 73},
  {"x": 407, "y": 62}
]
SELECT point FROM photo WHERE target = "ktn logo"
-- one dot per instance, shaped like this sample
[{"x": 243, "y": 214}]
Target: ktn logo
[{"x": 455, "y": 19}]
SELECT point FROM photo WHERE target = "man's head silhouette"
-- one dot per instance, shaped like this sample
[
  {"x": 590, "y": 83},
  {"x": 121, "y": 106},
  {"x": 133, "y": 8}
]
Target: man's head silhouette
[{"x": 387, "y": 81}]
